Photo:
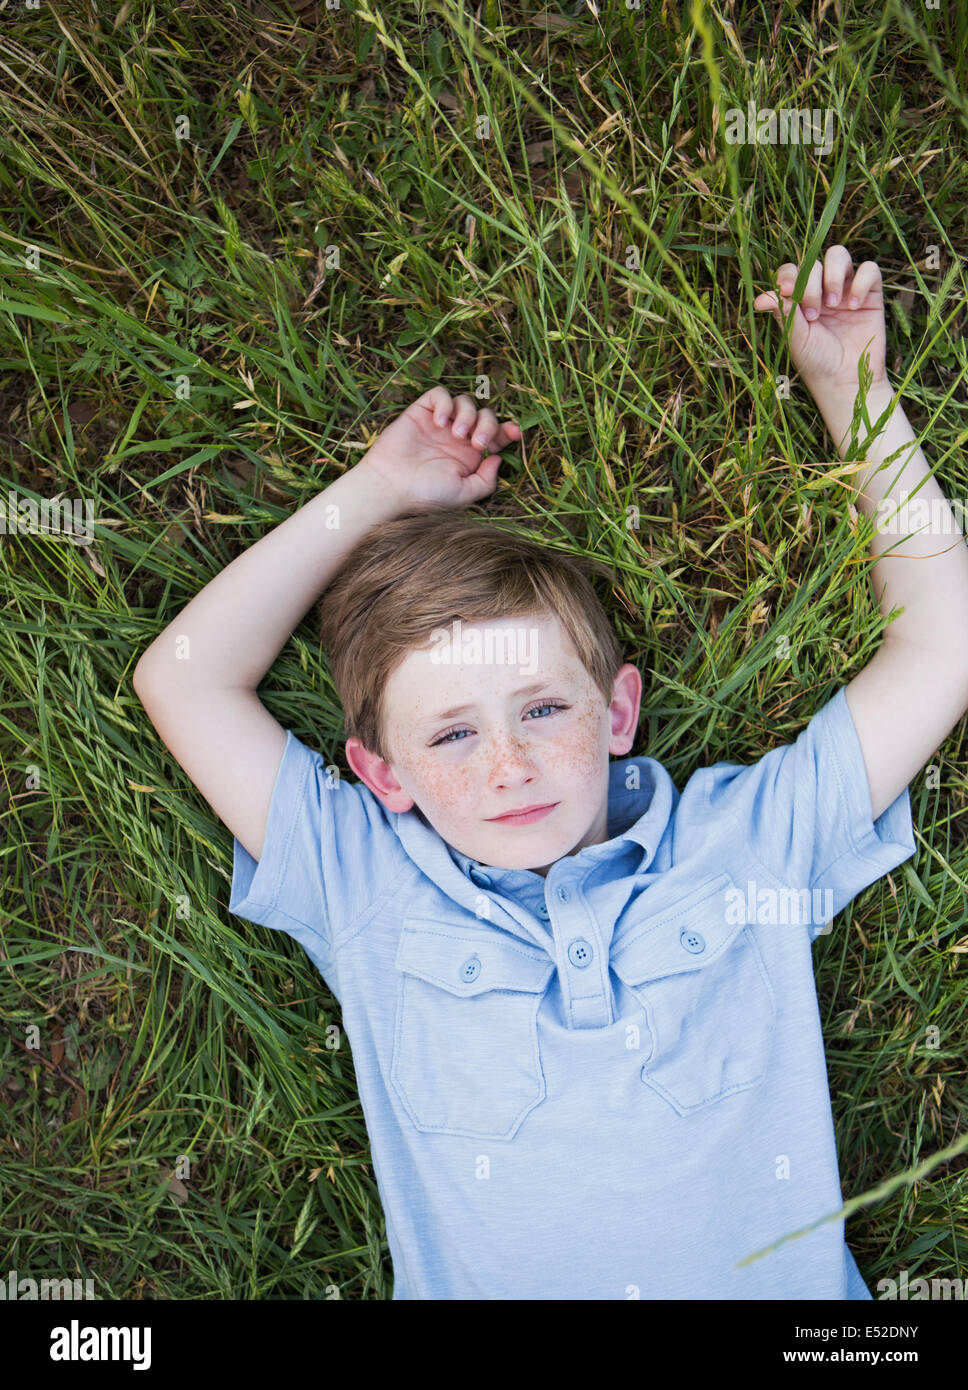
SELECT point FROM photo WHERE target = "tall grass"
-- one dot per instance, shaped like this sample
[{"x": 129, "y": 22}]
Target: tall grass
[{"x": 234, "y": 242}]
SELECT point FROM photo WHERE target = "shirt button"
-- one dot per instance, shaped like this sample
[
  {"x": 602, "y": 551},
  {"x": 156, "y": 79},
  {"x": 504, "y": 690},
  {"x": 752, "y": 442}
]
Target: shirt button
[
  {"x": 470, "y": 970},
  {"x": 543, "y": 910},
  {"x": 580, "y": 953},
  {"x": 480, "y": 878},
  {"x": 691, "y": 941}
]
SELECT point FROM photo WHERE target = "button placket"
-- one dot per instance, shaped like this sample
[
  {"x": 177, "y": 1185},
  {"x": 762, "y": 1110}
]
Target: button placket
[
  {"x": 580, "y": 953},
  {"x": 587, "y": 997}
]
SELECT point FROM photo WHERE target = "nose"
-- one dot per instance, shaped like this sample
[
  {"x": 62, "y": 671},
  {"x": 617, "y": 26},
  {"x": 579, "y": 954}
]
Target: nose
[{"x": 511, "y": 764}]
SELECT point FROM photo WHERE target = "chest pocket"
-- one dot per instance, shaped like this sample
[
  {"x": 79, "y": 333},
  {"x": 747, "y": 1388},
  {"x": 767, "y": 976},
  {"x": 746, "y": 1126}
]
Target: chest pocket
[
  {"x": 707, "y": 996},
  {"x": 465, "y": 1046}
]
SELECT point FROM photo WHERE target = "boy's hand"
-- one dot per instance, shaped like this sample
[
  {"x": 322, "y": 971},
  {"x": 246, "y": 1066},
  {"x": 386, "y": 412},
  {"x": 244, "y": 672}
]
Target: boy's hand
[
  {"x": 440, "y": 452},
  {"x": 828, "y": 338}
]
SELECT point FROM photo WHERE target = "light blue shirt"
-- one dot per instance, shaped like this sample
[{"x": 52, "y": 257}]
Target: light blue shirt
[{"x": 608, "y": 1083}]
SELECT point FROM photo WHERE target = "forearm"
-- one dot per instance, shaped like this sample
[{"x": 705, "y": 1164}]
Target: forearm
[
  {"x": 233, "y": 630},
  {"x": 926, "y": 569}
]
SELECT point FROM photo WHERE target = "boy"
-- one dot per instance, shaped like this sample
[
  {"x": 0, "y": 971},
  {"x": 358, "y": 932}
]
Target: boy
[{"x": 583, "y": 1017}]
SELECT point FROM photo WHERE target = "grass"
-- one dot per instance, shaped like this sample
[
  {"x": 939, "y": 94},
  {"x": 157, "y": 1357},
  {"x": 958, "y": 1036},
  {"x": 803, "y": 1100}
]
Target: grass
[{"x": 235, "y": 241}]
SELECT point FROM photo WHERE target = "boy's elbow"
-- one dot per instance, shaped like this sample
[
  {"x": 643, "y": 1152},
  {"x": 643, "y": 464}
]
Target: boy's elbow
[
  {"x": 137, "y": 685},
  {"x": 142, "y": 680}
]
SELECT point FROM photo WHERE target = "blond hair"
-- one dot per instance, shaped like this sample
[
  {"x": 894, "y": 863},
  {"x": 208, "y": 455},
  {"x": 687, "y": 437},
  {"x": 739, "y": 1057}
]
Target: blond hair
[{"x": 424, "y": 570}]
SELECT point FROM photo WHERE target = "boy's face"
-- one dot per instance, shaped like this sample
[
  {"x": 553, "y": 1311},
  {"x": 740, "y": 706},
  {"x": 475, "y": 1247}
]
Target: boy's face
[{"x": 510, "y": 748}]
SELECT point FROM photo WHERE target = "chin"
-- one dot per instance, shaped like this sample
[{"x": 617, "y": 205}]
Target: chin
[{"x": 527, "y": 856}]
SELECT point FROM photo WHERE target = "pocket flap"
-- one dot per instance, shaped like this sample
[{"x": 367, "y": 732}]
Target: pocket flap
[
  {"x": 688, "y": 936},
  {"x": 466, "y": 961}
]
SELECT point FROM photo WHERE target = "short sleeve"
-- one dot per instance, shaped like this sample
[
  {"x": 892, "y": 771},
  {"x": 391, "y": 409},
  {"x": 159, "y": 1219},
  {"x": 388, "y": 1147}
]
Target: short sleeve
[
  {"x": 321, "y": 861},
  {"x": 805, "y": 812}
]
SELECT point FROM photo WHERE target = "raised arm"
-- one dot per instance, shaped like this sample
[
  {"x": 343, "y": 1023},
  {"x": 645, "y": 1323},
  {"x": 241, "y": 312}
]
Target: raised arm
[
  {"x": 914, "y": 690},
  {"x": 198, "y": 679}
]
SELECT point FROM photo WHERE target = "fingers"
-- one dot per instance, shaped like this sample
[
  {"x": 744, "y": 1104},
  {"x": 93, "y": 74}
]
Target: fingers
[
  {"x": 465, "y": 416},
  {"x": 813, "y": 293},
  {"x": 786, "y": 278},
  {"x": 479, "y": 427},
  {"x": 438, "y": 400},
  {"x": 483, "y": 481},
  {"x": 831, "y": 284},
  {"x": 867, "y": 279},
  {"x": 837, "y": 271},
  {"x": 485, "y": 428},
  {"x": 488, "y": 434},
  {"x": 509, "y": 433}
]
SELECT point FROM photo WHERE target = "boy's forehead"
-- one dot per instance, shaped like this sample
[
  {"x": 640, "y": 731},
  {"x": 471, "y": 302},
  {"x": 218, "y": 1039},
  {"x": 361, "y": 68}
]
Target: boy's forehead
[
  {"x": 501, "y": 646},
  {"x": 545, "y": 628},
  {"x": 499, "y": 658}
]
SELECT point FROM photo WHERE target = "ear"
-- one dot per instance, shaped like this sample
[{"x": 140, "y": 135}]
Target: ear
[
  {"x": 377, "y": 774},
  {"x": 624, "y": 709}
]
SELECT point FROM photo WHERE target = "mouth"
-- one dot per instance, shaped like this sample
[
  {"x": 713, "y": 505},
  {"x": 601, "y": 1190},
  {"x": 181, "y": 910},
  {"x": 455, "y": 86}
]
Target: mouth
[{"x": 525, "y": 815}]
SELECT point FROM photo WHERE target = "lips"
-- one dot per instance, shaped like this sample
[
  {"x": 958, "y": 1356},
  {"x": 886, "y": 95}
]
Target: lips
[{"x": 524, "y": 811}]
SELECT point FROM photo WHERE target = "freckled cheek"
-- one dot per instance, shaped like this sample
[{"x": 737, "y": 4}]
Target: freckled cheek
[
  {"x": 445, "y": 785},
  {"x": 581, "y": 752}
]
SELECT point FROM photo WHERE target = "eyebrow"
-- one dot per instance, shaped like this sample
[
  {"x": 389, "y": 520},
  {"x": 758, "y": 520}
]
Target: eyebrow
[{"x": 462, "y": 709}]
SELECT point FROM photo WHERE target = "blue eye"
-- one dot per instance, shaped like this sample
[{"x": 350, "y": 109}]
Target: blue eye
[
  {"x": 451, "y": 735},
  {"x": 446, "y": 738},
  {"x": 537, "y": 707}
]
